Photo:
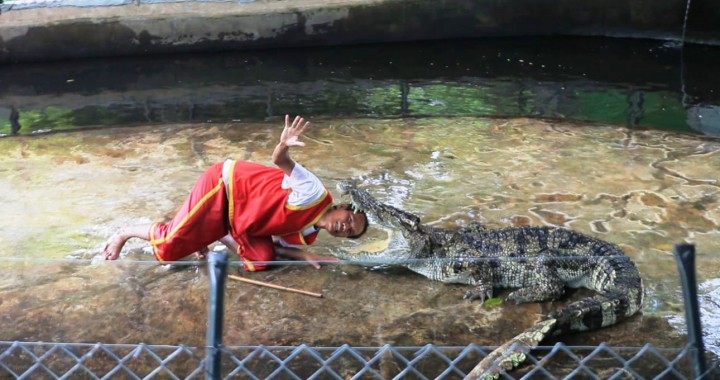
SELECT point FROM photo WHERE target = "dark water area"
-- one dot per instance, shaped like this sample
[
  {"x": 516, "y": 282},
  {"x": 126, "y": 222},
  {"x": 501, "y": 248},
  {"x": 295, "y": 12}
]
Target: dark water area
[{"x": 635, "y": 83}]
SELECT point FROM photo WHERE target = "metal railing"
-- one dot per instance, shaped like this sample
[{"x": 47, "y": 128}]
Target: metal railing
[{"x": 45, "y": 360}]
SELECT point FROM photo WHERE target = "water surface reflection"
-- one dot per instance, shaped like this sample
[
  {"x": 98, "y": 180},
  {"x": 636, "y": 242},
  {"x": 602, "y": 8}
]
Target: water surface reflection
[
  {"x": 63, "y": 194},
  {"x": 636, "y": 83}
]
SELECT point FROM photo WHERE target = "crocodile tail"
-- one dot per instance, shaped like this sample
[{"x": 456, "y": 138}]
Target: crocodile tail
[
  {"x": 599, "y": 311},
  {"x": 513, "y": 352},
  {"x": 585, "y": 314}
]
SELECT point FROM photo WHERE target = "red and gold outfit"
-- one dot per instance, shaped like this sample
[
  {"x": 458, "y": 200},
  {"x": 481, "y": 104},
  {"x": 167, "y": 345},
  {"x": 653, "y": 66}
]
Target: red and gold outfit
[{"x": 248, "y": 200}]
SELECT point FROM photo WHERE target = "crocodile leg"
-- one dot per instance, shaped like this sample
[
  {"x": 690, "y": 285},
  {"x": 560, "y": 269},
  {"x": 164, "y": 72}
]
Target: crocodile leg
[
  {"x": 479, "y": 293},
  {"x": 549, "y": 291},
  {"x": 544, "y": 282},
  {"x": 481, "y": 275}
]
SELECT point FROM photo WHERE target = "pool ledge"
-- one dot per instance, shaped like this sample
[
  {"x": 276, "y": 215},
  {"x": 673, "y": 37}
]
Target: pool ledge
[{"x": 40, "y": 30}]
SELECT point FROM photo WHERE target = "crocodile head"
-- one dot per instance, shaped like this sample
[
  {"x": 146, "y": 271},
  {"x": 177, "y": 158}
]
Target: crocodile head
[
  {"x": 400, "y": 225},
  {"x": 379, "y": 213}
]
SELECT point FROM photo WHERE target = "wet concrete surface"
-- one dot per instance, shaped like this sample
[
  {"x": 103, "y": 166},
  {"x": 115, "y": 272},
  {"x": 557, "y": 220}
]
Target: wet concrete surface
[{"x": 64, "y": 194}]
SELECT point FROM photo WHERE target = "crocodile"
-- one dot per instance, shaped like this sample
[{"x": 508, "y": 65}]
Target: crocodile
[{"x": 538, "y": 262}]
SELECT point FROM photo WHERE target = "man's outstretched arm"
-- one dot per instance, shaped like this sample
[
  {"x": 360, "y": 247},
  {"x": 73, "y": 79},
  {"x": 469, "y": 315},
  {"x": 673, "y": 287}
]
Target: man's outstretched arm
[
  {"x": 299, "y": 254},
  {"x": 290, "y": 137}
]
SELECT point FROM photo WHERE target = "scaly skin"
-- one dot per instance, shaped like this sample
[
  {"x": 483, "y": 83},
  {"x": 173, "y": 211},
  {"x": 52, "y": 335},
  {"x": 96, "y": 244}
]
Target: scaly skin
[{"x": 538, "y": 262}]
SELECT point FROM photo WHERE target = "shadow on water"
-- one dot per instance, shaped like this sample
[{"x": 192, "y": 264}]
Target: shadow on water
[{"x": 636, "y": 83}]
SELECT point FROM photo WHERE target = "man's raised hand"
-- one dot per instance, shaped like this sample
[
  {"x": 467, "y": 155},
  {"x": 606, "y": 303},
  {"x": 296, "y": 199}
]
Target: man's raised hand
[{"x": 291, "y": 133}]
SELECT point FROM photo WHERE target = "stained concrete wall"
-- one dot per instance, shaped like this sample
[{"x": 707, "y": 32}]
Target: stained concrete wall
[{"x": 38, "y": 30}]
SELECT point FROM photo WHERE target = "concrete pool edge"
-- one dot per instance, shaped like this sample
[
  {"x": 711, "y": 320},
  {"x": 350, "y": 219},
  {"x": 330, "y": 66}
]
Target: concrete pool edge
[{"x": 41, "y": 30}]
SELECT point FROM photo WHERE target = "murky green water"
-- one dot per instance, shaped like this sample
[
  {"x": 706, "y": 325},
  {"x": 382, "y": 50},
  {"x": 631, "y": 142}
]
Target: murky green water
[
  {"x": 62, "y": 195},
  {"x": 631, "y": 82}
]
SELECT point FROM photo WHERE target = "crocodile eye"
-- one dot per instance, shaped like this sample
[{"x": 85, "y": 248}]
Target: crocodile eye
[{"x": 458, "y": 266}]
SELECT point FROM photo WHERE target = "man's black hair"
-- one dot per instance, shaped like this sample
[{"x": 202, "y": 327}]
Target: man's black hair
[{"x": 367, "y": 222}]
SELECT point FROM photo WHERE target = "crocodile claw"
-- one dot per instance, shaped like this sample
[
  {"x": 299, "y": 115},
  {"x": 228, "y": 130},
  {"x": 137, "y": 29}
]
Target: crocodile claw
[{"x": 479, "y": 293}]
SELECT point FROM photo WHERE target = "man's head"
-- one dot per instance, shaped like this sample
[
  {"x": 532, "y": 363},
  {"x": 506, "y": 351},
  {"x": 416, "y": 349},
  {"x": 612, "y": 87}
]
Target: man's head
[{"x": 344, "y": 221}]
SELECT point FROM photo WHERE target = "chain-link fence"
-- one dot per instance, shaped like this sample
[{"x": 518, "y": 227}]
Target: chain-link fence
[
  {"x": 28, "y": 360},
  {"x": 51, "y": 360}
]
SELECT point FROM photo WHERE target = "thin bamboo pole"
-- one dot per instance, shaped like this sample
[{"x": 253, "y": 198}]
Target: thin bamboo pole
[{"x": 269, "y": 285}]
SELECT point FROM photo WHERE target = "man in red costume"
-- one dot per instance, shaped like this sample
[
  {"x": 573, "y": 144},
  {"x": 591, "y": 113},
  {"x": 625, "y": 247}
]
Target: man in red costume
[{"x": 257, "y": 211}]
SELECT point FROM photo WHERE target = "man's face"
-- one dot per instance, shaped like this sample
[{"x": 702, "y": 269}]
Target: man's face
[{"x": 344, "y": 223}]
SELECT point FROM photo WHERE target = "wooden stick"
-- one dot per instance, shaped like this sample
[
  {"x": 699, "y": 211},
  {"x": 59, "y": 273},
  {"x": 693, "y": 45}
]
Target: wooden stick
[{"x": 269, "y": 285}]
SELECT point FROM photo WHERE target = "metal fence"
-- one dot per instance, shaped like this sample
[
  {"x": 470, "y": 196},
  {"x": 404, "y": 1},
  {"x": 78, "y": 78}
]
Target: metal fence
[
  {"x": 28, "y": 360},
  {"x": 45, "y": 360}
]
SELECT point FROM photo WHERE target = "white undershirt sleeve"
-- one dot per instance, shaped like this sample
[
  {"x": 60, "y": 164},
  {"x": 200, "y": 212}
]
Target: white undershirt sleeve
[{"x": 306, "y": 187}]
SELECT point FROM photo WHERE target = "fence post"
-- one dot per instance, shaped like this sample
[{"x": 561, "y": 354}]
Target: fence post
[
  {"x": 685, "y": 259},
  {"x": 217, "y": 273}
]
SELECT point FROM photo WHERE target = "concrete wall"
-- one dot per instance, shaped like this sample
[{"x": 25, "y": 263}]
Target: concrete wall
[{"x": 37, "y": 30}]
